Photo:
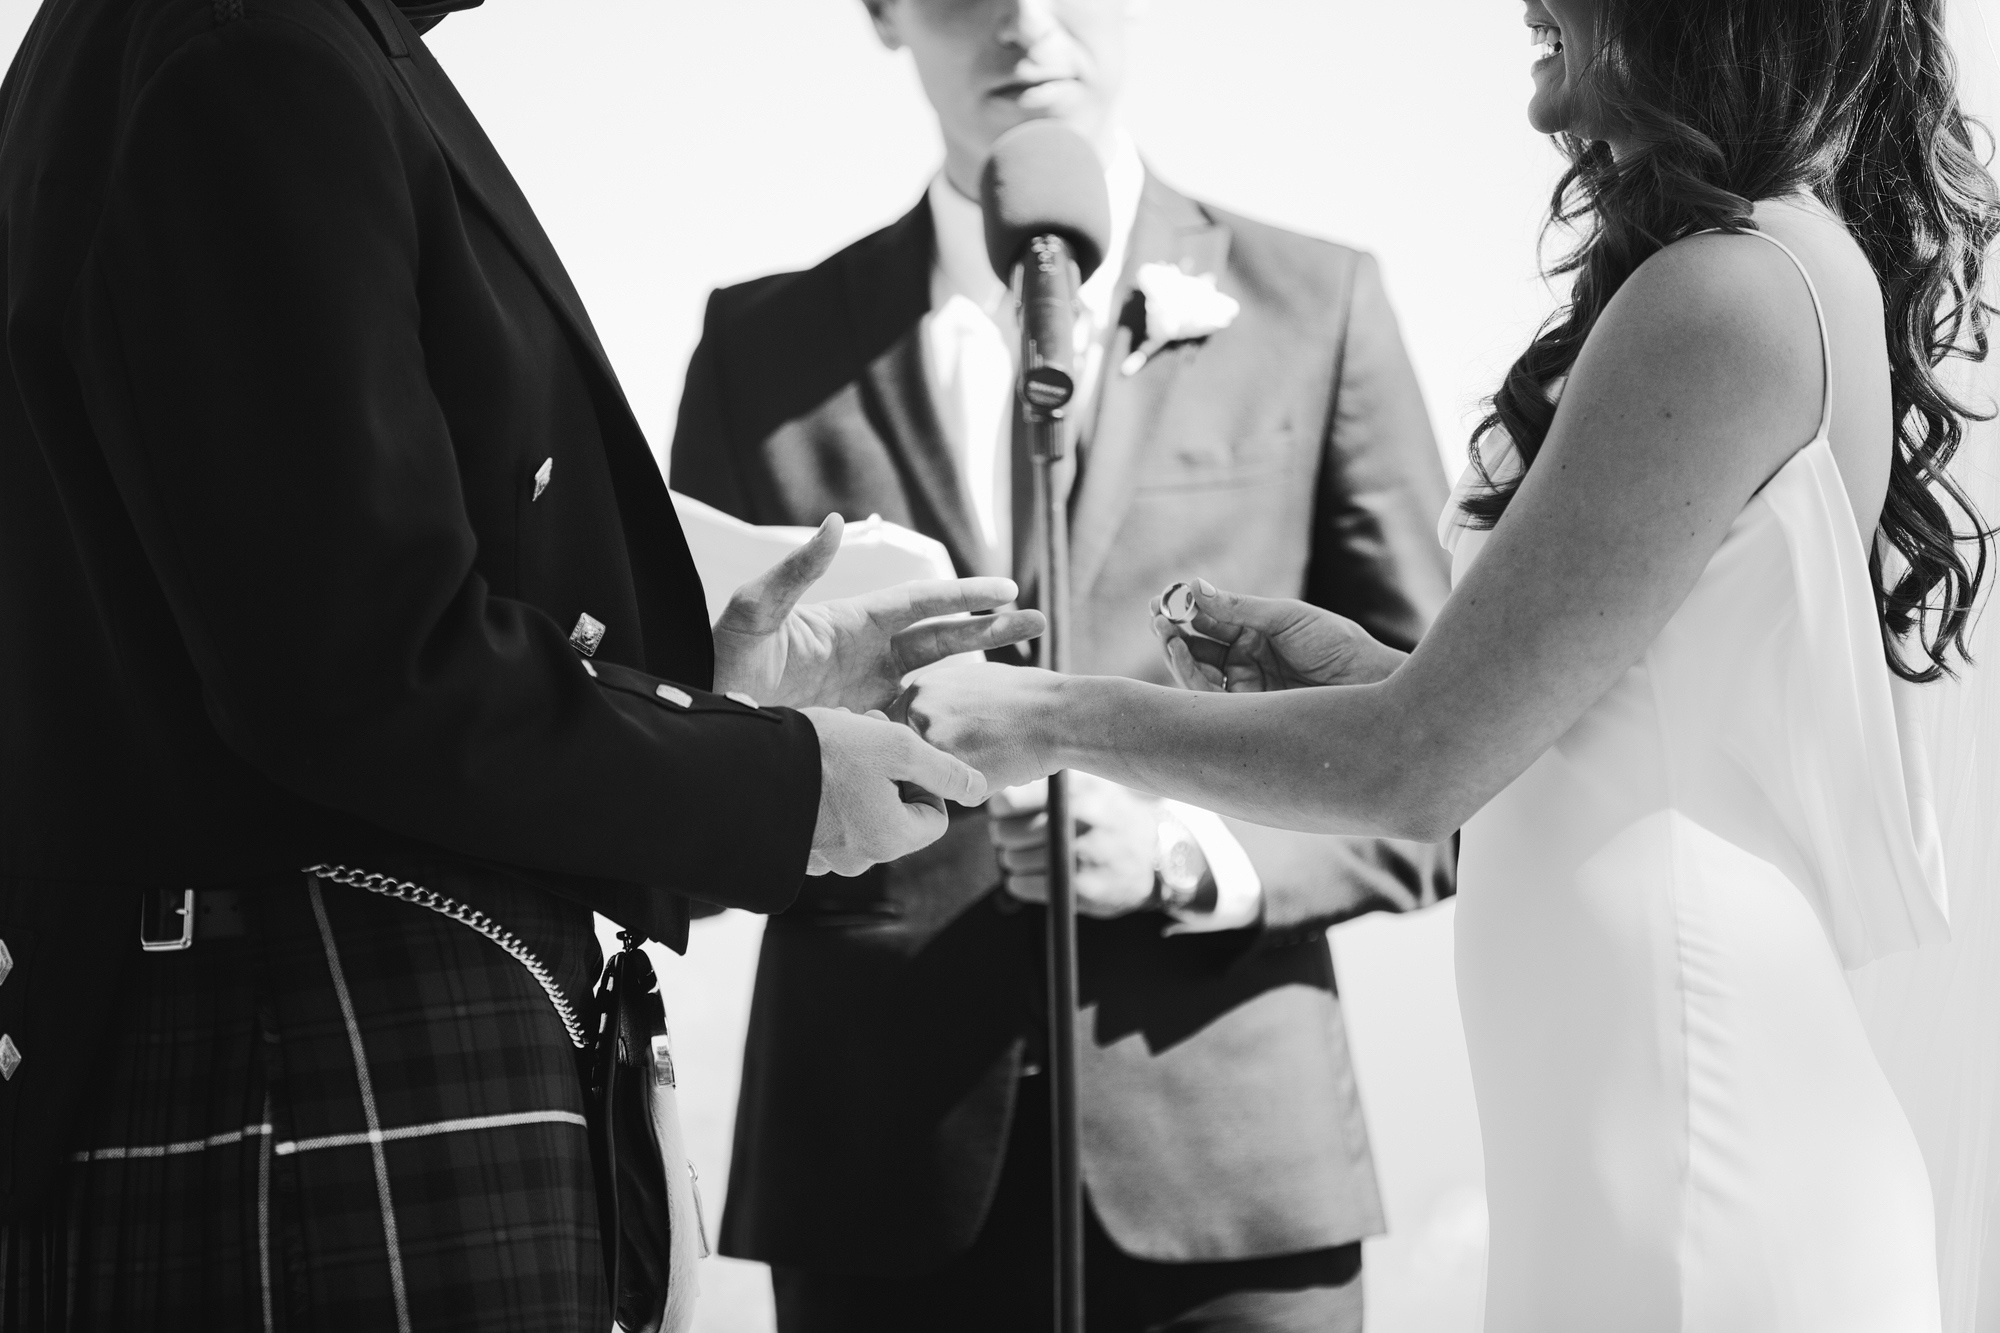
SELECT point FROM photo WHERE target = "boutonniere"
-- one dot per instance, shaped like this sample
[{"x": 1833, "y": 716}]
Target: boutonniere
[{"x": 1180, "y": 307}]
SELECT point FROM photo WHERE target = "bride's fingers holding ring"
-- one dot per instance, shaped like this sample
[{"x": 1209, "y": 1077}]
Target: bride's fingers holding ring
[
  {"x": 1196, "y": 663},
  {"x": 1208, "y": 605},
  {"x": 1244, "y": 678},
  {"x": 1180, "y": 665},
  {"x": 1191, "y": 674},
  {"x": 1173, "y": 648},
  {"x": 1166, "y": 631}
]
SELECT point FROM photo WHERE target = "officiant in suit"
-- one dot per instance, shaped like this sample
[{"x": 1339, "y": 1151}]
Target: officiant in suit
[
  {"x": 1248, "y": 413},
  {"x": 350, "y": 655}
]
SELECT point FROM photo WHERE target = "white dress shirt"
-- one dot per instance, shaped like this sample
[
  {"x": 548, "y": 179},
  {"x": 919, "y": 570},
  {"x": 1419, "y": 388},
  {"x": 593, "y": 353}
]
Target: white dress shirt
[{"x": 970, "y": 342}]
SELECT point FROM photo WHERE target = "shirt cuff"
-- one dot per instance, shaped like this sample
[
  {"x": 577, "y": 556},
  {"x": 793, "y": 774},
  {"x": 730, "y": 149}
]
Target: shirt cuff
[{"x": 1239, "y": 893}]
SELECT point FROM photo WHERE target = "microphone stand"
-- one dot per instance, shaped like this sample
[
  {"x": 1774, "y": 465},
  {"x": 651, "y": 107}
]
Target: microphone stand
[{"x": 1048, "y": 279}]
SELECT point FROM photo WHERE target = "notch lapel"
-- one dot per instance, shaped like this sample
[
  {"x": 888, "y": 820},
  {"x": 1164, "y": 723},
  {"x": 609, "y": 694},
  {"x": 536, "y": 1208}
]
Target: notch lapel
[
  {"x": 1132, "y": 410},
  {"x": 888, "y": 295}
]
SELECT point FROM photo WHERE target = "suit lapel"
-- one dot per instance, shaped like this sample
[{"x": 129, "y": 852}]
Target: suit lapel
[
  {"x": 1133, "y": 410},
  {"x": 889, "y": 293}
]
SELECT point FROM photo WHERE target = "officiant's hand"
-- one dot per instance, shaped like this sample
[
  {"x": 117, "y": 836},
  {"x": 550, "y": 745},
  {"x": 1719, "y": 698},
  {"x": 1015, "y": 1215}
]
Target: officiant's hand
[
  {"x": 1246, "y": 645},
  {"x": 1117, "y": 844},
  {"x": 853, "y": 652},
  {"x": 881, "y": 792}
]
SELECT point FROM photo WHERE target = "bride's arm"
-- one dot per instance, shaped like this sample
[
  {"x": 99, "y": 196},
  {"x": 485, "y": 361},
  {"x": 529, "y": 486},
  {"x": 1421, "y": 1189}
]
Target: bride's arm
[{"x": 1702, "y": 378}]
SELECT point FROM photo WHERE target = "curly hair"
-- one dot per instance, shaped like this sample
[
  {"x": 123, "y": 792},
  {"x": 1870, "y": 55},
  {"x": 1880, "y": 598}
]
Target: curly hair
[{"x": 1726, "y": 102}]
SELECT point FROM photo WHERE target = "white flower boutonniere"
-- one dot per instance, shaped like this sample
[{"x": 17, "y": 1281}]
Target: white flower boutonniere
[{"x": 1180, "y": 306}]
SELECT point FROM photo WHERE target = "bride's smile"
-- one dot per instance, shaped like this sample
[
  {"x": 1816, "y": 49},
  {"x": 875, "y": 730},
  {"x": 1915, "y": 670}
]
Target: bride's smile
[{"x": 1564, "y": 36}]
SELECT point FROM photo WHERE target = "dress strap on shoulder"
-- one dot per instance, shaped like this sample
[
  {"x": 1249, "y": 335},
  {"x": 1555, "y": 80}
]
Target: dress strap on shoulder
[{"x": 1819, "y": 316}]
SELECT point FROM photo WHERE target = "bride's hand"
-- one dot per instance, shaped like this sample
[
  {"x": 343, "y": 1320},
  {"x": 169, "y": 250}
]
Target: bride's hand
[
  {"x": 1245, "y": 645},
  {"x": 999, "y": 719}
]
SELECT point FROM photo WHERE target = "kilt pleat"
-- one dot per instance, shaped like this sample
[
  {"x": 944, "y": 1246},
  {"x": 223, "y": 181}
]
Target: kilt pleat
[{"x": 362, "y": 1115}]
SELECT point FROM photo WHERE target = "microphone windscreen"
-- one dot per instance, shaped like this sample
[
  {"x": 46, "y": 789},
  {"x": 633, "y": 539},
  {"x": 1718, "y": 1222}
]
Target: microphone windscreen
[{"x": 1042, "y": 179}]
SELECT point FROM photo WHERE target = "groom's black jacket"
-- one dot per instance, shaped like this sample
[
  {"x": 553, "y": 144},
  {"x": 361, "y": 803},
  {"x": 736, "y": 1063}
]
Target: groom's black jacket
[{"x": 285, "y": 352}]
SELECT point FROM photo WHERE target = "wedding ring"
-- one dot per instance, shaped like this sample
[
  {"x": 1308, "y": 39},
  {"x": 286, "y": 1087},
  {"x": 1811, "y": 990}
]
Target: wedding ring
[{"x": 1177, "y": 604}]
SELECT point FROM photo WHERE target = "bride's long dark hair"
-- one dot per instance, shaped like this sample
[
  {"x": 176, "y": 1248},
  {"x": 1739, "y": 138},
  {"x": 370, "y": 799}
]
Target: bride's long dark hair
[{"x": 1854, "y": 101}]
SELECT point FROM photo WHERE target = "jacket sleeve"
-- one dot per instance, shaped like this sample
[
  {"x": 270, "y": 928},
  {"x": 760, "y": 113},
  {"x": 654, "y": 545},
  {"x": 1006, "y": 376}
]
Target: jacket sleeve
[
  {"x": 247, "y": 334},
  {"x": 1375, "y": 559}
]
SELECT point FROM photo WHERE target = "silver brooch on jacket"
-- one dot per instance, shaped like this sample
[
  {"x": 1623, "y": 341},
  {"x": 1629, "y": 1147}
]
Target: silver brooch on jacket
[{"x": 589, "y": 632}]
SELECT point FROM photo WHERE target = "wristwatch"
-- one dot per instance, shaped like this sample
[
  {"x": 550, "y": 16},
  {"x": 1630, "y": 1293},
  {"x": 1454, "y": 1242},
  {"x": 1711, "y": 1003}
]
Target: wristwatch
[{"x": 1182, "y": 881}]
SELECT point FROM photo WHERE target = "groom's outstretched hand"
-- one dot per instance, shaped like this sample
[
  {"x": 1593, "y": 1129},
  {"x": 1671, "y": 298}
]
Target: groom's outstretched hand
[
  {"x": 1220, "y": 642},
  {"x": 854, "y": 652},
  {"x": 881, "y": 791}
]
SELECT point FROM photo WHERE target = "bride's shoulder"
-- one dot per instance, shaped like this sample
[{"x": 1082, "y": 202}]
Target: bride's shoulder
[
  {"x": 1741, "y": 280},
  {"x": 1715, "y": 331},
  {"x": 1727, "y": 279},
  {"x": 1716, "y": 305}
]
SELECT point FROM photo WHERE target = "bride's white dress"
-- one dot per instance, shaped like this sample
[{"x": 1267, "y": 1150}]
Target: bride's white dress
[{"x": 1684, "y": 1125}]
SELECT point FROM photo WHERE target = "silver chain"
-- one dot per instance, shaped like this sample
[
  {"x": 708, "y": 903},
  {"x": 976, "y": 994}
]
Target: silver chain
[{"x": 404, "y": 891}]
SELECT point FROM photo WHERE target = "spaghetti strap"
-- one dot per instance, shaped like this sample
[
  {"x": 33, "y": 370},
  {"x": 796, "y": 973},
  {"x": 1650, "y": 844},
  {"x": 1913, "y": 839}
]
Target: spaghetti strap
[{"x": 1819, "y": 315}]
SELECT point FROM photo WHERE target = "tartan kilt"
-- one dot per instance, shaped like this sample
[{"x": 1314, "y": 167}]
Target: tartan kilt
[{"x": 361, "y": 1115}]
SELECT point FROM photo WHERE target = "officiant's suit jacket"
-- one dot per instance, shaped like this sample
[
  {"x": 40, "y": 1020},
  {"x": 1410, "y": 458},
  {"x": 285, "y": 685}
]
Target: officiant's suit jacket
[
  {"x": 1288, "y": 455},
  {"x": 310, "y": 463}
]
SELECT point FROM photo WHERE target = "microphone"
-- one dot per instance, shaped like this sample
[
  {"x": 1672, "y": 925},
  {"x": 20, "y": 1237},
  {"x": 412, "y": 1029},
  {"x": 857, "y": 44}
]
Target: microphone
[
  {"x": 1048, "y": 224},
  {"x": 1049, "y": 219}
]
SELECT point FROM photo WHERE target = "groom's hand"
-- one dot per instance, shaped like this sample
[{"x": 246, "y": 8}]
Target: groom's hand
[
  {"x": 881, "y": 792},
  {"x": 854, "y": 652}
]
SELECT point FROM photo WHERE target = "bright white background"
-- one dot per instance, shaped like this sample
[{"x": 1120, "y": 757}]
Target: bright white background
[{"x": 669, "y": 146}]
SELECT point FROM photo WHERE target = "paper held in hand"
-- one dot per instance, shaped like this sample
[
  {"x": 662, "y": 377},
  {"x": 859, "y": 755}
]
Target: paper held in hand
[{"x": 874, "y": 554}]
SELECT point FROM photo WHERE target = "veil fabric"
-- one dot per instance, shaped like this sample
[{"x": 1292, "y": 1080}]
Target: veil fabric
[{"x": 1934, "y": 1013}]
